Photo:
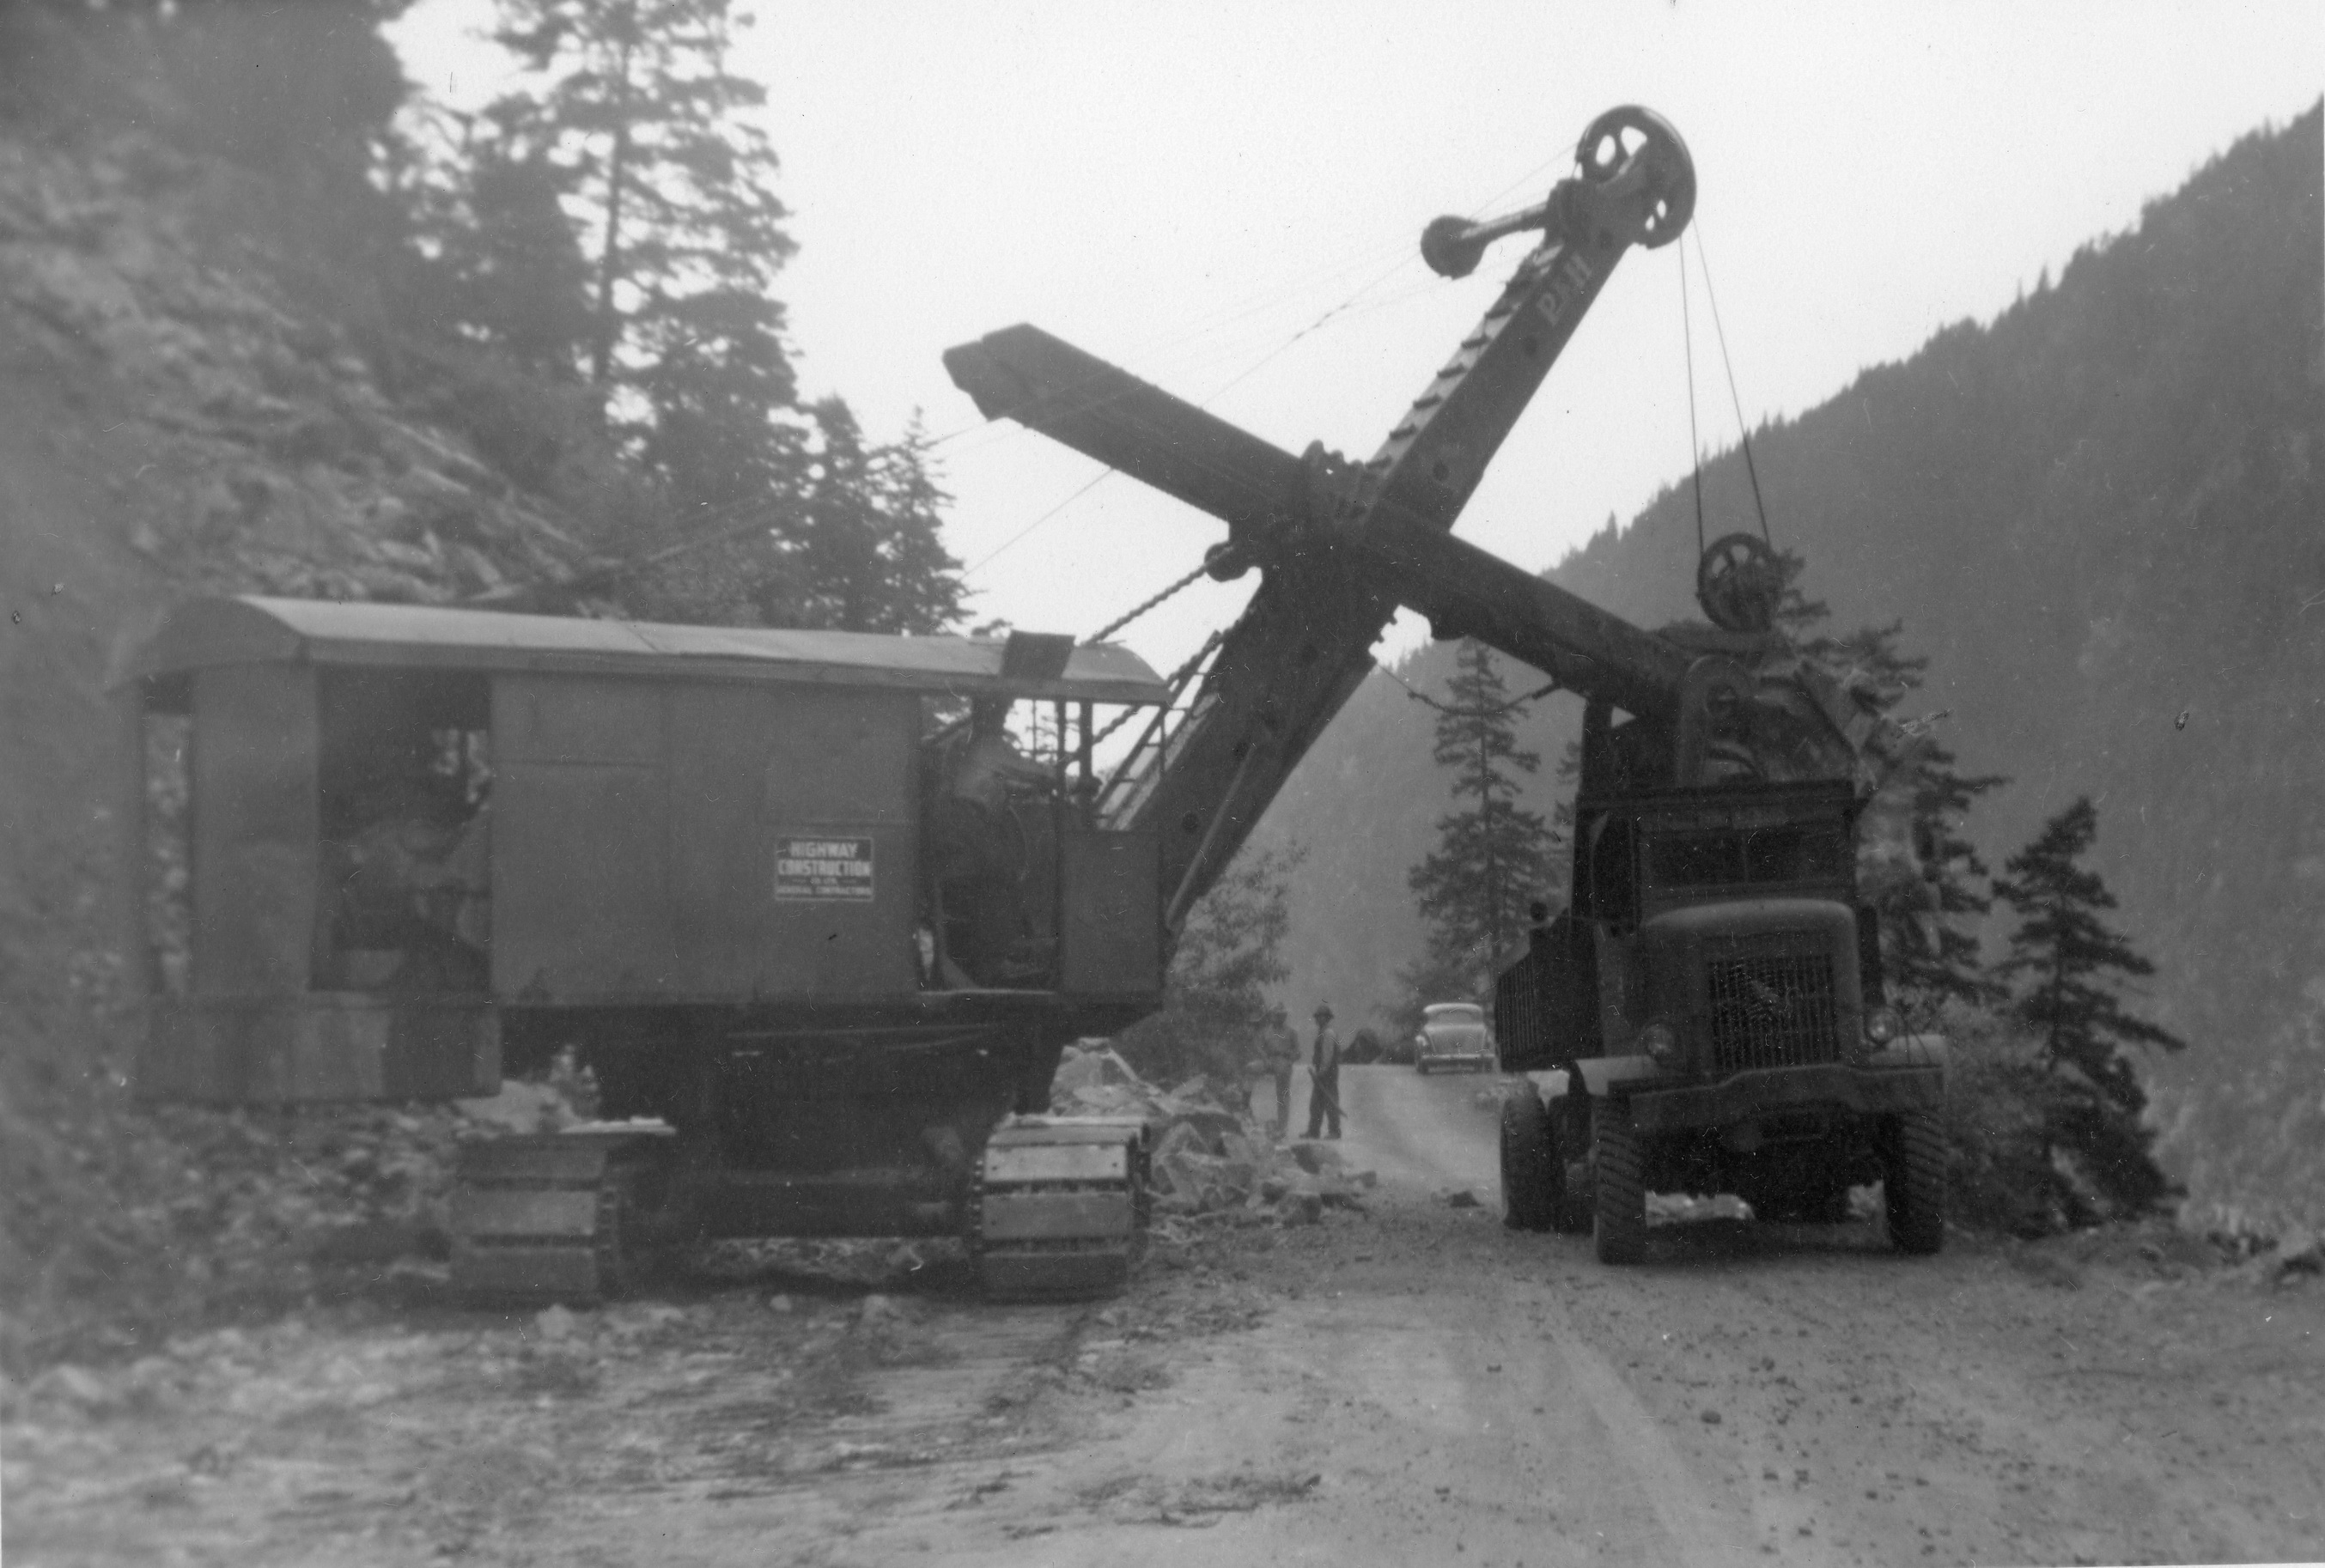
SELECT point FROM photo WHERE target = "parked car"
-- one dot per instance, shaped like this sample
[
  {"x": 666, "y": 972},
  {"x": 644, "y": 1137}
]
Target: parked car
[{"x": 1453, "y": 1035}]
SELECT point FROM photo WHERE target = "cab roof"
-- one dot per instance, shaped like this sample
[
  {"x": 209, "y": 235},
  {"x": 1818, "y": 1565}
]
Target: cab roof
[{"x": 203, "y": 633}]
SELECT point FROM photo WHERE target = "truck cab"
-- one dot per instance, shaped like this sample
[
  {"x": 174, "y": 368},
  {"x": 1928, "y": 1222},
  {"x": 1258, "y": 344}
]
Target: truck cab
[{"x": 1707, "y": 1016}]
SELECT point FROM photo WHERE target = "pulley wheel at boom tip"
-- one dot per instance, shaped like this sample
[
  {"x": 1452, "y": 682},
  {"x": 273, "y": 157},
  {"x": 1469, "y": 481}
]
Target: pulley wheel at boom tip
[{"x": 1670, "y": 174}]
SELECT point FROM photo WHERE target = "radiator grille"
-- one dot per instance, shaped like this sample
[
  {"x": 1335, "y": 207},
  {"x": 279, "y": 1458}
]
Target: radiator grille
[{"x": 1774, "y": 1010}]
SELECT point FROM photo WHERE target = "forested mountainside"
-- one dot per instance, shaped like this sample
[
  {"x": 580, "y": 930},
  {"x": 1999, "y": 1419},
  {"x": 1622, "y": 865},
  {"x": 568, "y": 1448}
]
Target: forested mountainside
[{"x": 2102, "y": 518}]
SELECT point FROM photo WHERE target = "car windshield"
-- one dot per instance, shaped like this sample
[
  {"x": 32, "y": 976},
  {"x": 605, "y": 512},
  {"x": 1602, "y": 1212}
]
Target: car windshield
[{"x": 1454, "y": 1013}]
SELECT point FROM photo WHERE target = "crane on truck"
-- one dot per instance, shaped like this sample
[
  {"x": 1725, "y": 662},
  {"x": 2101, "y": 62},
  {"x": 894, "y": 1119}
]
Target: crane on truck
[
  {"x": 1707, "y": 1011},
  {"x": 817, "y": 925}
]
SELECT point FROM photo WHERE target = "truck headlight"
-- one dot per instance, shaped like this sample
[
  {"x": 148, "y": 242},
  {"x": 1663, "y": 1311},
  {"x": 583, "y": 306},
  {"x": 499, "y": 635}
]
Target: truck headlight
[
  {"x": 1882, "y": 1025},
  {"x": 1660, "y": 1042}
]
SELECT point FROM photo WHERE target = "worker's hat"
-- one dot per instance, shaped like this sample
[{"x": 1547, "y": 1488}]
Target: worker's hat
[{"x": 1323, "y": 1010}]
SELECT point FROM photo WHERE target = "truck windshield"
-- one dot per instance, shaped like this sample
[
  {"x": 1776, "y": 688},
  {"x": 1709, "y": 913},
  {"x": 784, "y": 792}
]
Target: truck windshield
[{"x": 1792, "y": 853}]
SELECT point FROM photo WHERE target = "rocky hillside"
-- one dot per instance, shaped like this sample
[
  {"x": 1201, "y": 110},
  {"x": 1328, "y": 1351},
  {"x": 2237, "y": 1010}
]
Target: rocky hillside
[
  {"x": 2098, "y": 515},
  {"x": 198, "y": 390}
]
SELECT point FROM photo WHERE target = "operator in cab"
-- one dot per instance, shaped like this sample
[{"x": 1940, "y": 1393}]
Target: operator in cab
[{"x": 977, "y": 846}]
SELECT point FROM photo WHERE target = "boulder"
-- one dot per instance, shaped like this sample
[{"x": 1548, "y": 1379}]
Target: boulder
[
  {"x": 1239, "y": 1175},
  {"x": 1176, "y": 1139},
  {"x": 1212, "y": 1124},
  {"x": 1315, "y": 1157},
  {"x": 1205, "y": 1180}
]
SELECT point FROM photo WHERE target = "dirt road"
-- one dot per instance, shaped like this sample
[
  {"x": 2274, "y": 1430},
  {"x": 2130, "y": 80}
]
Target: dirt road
[{"x": 1410, "y": 1384}]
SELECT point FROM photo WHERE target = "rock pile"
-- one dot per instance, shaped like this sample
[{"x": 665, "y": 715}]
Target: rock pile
[{"x": 1209, "y": 1156}]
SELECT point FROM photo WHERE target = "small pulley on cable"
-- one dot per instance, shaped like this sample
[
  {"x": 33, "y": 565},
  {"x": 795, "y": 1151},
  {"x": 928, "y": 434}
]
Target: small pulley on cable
[{"x": 1739, "y": 582}]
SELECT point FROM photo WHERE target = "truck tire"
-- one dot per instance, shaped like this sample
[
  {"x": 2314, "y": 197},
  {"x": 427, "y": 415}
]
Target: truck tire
[
  {"x": 1531, "y": 1175},
  {"x": 1914, "y": 1179},
  {"x": 1618, "y": 1191}
]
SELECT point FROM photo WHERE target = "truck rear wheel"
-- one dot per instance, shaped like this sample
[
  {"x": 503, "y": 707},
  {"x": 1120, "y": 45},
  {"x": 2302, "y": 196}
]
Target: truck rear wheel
[
  {"x": 1532, "y": 1176},
  {"x": 1618, "y": 1191},
  {"x": 1914, "y": 1180}
]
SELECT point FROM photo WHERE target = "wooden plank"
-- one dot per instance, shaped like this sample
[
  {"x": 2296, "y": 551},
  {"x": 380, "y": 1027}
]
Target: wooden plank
[
  {"x": 1058, "y": 1162},
  {"x": 522, "y": 1211},
  {"x": 1023, "y": 1216}
]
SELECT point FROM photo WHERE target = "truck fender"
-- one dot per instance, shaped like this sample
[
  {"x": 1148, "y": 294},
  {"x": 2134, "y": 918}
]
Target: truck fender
[{"x": 1601, "y": 1074}]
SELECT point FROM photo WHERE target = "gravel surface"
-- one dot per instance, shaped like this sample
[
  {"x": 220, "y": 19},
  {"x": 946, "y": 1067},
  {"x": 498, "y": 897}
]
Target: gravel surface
[{"x": 1398, "y": 1383}]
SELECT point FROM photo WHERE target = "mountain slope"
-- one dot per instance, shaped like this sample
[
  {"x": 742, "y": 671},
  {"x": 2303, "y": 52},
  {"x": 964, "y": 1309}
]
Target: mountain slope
[{"x": 2099, "y": 515}]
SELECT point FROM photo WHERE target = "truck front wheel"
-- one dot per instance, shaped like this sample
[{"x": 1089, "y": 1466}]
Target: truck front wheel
[
  {"x": 1529, "y": 1169},
  {"x": 1914, "y": 1178},
  {"x": 1618, "y": 1191}
]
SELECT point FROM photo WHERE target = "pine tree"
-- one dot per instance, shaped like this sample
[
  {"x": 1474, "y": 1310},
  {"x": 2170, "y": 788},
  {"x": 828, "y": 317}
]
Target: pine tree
[
  {"x": 612, "y": 225},
  {"x": 2066, "y": 955},
  {"x": 633, "y": 104},
  {"x": 1493, "y": 855},
  {"x": 1933, "y": 961},
  {"x": 869, "y": 559},
  {"x": 518, "y": 281},
  {"x": 1929, "y": 948},
  {"x": 1558, "y": 872}
]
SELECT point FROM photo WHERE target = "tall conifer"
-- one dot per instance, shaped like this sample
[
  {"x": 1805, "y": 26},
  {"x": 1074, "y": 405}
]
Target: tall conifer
[
  {"x": 1929, "y": 950},
  {"x": 2067, "y": 961},
  {"x": 1493, "y": 855}
]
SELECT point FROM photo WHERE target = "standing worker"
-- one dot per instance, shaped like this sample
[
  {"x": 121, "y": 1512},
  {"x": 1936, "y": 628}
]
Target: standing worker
[
  {"x": 1281, "y": 1053},
  {"x": 1324, "y": 1076}
]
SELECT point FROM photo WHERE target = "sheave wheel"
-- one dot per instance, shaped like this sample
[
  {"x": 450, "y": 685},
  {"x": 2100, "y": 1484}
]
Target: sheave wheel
[
  {"x": 1530, "y": 1172},
  {"x": 1914, "y": 1180},
  {"x": 1618, "y": 1191}
]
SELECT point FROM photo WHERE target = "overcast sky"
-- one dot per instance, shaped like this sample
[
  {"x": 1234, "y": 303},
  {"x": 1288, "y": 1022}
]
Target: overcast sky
[{"x": 1225, "y": 199}]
